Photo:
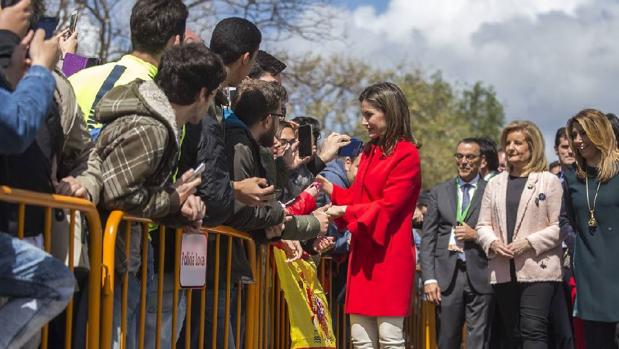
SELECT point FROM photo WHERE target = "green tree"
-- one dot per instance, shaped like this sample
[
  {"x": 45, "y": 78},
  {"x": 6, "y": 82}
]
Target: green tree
[
  {"x": 435, "y": 124},
  {"x": 108, "y": 20},
  {"x": 442, "y": 114},
  {"x": 482, "y": 109}
]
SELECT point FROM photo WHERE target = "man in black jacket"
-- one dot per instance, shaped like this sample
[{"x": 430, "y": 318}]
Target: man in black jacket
[
  {"x": 236, "y": 41},
  {"x": 453, "y": 266}
]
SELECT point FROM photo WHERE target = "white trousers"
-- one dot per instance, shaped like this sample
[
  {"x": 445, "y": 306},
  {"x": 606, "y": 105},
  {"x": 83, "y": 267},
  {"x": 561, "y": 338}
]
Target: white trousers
[{"x": 368, "y": 332}]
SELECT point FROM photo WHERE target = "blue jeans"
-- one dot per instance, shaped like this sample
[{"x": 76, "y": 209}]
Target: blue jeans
[
  {"x": 39, "y": 287},
  {"x": 133, "y": 310},
  {"x": 166, "y": 314}
]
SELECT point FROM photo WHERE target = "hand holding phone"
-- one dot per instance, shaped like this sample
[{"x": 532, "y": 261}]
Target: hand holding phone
[
  {"x": 187, "y": 184},
  {"x": 352, "y": 149},
  {"x": 252, "y": 191},
  {"x": 43, "y": 52},
  {"x": 197, "y": 172},
  {"x": 49, "y": 24},
  {"x": 15, "y": 16},
  {"x": 73, "y": 22}
]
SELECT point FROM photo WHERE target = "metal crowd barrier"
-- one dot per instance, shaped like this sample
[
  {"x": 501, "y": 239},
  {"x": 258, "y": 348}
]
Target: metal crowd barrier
[
  {"x": 24, "y": 198},
  {"x": 274, "y": 324},
  {"x": 215, "y": 236},
  {"x": 420, "y": 326},
  {"x": 267, "y": 323}
]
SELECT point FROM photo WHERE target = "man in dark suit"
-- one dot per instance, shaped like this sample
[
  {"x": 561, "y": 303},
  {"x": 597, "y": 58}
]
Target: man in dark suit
[{"x": 453, "y": 266}]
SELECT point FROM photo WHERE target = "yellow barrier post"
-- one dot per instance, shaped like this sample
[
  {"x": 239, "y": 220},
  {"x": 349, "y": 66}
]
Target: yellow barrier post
[
  {"x": 143, "y": 282},
  {"x": 107, "y": 310},
  {"x": 52, "y": 201}
]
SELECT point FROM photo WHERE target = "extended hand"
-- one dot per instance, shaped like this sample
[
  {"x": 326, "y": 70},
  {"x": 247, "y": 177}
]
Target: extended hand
[
  {"x": 313, "y": 190},
  {"x": 323, "y": 217},
  {"x": 337, "y": 211},
  {"x": 323, "y": 244},
  {"x": 327, "y": 186},
  {"x": 293, "y": 250},
  {"x": 253, "y": 191},
  {"x": 332, "y": 145}
]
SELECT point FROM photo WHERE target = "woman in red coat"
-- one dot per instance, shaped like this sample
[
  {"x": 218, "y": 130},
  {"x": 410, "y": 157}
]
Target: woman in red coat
[{"x": 378, "y": 210}]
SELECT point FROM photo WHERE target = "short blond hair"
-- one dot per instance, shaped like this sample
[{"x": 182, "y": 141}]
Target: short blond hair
[{"x": 535, "y": 141}]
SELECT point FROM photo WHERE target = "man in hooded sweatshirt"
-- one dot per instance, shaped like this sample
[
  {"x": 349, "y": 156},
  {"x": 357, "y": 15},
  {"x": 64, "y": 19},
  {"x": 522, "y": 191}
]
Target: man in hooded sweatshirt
[{"x": 139, "y": 144}]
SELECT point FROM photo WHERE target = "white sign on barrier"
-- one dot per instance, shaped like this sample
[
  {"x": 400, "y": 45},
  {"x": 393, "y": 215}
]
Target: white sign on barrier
[{"x": 193, "y": 261}]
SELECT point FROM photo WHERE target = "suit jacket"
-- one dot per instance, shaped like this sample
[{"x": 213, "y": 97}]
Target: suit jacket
[
  {"x": 537, "y": 221},
  {"x": 439, "y": 263}
]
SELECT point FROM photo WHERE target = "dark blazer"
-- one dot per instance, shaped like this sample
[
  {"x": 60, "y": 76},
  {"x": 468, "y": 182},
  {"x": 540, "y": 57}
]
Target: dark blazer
[{"x": 439, "y": 263}]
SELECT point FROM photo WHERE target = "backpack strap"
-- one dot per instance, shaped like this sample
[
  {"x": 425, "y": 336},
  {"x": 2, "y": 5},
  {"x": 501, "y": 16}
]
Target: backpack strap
[{"x": 107, "y": 85}]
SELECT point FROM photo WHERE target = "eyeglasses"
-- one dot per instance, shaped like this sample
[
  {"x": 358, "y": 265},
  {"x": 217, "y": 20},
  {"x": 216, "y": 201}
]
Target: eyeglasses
[
  {"x": 287, "y": 142},
  {"x": 469, "y": 157},
  {"x": 280, "y": 116}
]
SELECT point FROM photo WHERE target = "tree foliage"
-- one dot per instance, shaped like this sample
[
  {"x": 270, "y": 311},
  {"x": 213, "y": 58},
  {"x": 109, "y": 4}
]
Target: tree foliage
[
  {"x": 108, "y": 20},
  {"x": 442, "y": 114},
  {"x": 323, "y": 87}
]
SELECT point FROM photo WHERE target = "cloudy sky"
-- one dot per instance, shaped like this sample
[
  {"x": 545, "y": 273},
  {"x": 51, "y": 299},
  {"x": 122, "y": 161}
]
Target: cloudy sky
[{"x": 547, "y": 59}]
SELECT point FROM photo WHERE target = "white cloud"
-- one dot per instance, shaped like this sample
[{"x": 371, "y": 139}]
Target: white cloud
[{"x": 547, "y": 59}]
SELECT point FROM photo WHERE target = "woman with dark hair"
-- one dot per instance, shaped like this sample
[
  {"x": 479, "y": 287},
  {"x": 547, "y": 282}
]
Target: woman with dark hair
[
  {"x": 591, "y": 198},
  {"x": 377, "y": 209}
]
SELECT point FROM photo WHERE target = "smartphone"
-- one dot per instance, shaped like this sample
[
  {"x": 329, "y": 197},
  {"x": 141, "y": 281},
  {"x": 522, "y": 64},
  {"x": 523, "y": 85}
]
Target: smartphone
[
  {"x": 92, "y": 61},
  {"x": 197, "y": 172},
  {"x": 73, "y": 22},
  {"x": 49, "y": 24},
  {"x": 276, "y": 195},
  {"x": 352, "y": 149},
  {"x": 306, "y": 141},
  {"x": 230, "y": 92}
]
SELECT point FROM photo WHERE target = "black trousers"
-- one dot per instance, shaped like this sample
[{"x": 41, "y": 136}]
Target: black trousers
[
  {"x": 560, "y": 320},
  {"x": 524, "y": 309},
  {"x": 601, "y": 335}
]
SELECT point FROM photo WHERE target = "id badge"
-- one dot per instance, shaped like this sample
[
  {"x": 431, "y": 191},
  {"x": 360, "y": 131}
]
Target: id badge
[{"x": 455, "y": 245}]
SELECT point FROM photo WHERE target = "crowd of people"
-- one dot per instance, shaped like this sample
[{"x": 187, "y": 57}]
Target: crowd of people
[
  {"x": 193, "y": 136},
  {"x": 521, "y": 256}
]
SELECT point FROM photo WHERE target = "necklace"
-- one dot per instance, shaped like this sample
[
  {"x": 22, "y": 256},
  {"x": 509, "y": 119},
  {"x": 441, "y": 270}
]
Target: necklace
[{"x": 592, "y": 223}]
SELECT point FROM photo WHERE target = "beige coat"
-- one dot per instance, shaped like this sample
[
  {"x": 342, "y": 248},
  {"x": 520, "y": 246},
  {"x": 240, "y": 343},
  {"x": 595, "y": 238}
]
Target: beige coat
[{"x": 537, "y": 221}]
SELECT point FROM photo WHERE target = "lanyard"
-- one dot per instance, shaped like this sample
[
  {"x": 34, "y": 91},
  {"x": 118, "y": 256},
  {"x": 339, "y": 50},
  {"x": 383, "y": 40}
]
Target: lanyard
[{"x": 461, "y": 215}]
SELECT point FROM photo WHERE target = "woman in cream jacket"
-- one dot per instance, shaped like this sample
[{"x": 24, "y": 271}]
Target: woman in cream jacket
[{"x": 518, "y": 228}]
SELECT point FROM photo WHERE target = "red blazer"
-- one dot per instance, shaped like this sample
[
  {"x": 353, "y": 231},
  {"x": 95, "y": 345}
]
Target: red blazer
[{"x": 381, "y": 202}]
